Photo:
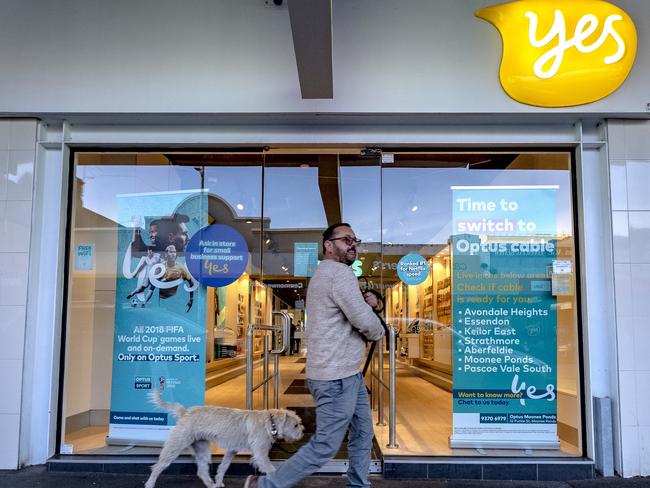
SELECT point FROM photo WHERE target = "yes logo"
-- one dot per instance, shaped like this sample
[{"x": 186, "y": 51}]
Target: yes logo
[{"x": 562, "y": 53}]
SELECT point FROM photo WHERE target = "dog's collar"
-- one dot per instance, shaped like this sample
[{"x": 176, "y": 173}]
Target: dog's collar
[{"x": 274, "y": 428}]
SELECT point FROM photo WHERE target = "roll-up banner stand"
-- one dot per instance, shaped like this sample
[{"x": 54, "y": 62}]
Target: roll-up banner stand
[
  {"x": 504, "y": 318},
  {"x": 160, "y": 332}
]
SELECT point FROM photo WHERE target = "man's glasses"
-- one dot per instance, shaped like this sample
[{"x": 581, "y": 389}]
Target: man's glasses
[{"x": 347, "y": 239}]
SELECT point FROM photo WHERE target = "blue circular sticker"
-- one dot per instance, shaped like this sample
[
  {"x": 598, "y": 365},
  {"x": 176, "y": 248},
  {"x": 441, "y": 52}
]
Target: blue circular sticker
[
  {"x": 412, "y": 269},
  {"x": 216, "y": 255}
]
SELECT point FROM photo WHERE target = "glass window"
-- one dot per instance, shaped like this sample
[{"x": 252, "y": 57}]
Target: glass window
[
  {"x": 492, "y": 319},
  {"x": 474, "y": 254}
]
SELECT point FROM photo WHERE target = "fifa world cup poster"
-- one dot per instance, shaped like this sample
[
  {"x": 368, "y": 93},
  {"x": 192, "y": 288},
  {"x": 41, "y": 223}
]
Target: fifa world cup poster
[{"x": 159, "y": 340}]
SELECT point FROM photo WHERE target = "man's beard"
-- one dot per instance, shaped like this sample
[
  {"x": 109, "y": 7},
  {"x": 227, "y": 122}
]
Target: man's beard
[{"x": 348, "y": 260}]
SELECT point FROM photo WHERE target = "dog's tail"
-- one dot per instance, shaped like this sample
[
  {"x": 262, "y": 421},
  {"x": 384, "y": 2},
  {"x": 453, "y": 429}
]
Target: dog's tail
[{"x": 175, "y": 409}]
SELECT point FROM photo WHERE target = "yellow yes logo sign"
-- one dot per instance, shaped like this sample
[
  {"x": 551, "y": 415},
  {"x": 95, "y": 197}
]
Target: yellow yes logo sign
[{"x": 562, "y": 53}]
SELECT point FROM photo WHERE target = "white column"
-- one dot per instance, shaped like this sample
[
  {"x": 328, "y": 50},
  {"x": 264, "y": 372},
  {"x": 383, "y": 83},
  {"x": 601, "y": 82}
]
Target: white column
[
  {"x": 17, "y": 149},
  {"x": 629, "y": 158},
  {"x": 45, "y": 298}
]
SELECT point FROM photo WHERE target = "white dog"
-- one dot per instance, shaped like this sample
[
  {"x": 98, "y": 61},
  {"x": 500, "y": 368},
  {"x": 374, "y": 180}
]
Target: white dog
[{"x": 230, "y": 428}]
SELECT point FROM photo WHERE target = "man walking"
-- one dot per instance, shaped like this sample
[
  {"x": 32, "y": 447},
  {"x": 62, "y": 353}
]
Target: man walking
[{"x": 339, "y": 318}]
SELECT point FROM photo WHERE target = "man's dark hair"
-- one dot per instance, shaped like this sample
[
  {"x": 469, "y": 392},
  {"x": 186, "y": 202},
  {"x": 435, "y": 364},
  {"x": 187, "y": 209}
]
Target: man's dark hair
[{"x": 329, "y": 232}]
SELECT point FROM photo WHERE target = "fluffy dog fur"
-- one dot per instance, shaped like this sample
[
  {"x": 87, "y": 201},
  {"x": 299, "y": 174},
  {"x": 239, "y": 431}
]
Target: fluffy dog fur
[{"x": 229, "y": 428}]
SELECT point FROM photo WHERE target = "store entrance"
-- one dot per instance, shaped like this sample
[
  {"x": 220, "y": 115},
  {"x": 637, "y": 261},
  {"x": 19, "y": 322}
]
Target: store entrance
[{"x": 302, "y": 195}]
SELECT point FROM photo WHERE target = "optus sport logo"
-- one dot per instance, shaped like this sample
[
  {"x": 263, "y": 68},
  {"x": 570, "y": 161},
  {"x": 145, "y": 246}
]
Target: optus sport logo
[{"x": 562, "y": 53}]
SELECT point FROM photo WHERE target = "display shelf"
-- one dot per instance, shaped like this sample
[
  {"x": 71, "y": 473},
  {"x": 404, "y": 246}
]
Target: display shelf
[
  {"x": 427, "y": 345},
  {"x": 443, "y": 301}
]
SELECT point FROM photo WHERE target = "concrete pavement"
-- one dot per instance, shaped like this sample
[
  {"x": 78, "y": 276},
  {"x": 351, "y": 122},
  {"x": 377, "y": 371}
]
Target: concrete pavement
[{"x": 39, "y": 477}]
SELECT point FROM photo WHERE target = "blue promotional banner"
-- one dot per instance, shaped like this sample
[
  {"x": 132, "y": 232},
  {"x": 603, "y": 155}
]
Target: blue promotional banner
[
  {"x": 159, "y": 339},
  {"x": 504, "y": 317}
]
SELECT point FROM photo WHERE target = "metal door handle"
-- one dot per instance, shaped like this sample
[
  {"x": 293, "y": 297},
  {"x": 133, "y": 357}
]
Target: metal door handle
[{"x": 286, "y": 331}]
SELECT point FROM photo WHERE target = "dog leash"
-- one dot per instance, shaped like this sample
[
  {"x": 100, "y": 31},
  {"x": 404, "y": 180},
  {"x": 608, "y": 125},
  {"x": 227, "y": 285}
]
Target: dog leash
[
  {"x": 274, "y": 434},
  {"x": 284, "y": 450},
  {"x": 380, "y": 300},
  {"x": 274, "y": 428}
]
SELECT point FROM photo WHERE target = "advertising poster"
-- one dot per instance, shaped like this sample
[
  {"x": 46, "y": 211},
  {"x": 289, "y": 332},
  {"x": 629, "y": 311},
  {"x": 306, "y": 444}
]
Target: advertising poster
[
  {"x": 160, "y": 326},
  {"x": 413, "y": 269},
  {"x": 305, "y": 258},
  {"x": 84, "y": 257},
  {"x": 504, "y": 317}
]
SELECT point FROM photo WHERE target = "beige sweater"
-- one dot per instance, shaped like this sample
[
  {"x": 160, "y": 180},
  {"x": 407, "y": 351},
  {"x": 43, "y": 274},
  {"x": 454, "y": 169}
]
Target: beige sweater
[{"x": 337, "y": 316}]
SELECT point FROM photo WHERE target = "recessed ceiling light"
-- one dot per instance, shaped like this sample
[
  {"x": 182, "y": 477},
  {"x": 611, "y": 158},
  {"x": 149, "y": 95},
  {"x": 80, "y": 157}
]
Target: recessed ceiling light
[
  {"x": 239, "y": 206},
  {"x": 249, "y": 221},
  {"x": 414, "y": 209}
]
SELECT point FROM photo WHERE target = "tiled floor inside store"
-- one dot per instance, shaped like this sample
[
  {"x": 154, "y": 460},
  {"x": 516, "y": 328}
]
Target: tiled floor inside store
[{"x": 423, "y": 421}]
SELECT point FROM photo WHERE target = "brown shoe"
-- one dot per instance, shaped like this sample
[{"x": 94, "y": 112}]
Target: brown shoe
[{"x": 251, "y": 481}]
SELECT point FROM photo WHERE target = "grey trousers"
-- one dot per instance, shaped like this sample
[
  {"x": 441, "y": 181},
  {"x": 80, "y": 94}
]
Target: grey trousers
[{"x": 341, "y": 405}]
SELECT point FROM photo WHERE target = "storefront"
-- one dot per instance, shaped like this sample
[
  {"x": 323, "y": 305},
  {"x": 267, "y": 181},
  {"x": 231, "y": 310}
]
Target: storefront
[{"x": 506, "y": 238}]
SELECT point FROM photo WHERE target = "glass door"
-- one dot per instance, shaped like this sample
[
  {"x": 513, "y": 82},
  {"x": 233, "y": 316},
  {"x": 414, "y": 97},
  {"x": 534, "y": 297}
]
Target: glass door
[
  {"x": 233, "y": 183},
  {"x": 303, "y": 195}
]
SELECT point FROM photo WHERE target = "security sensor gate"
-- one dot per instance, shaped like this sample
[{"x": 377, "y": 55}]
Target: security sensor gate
[{"x": 271, "y": 335}]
